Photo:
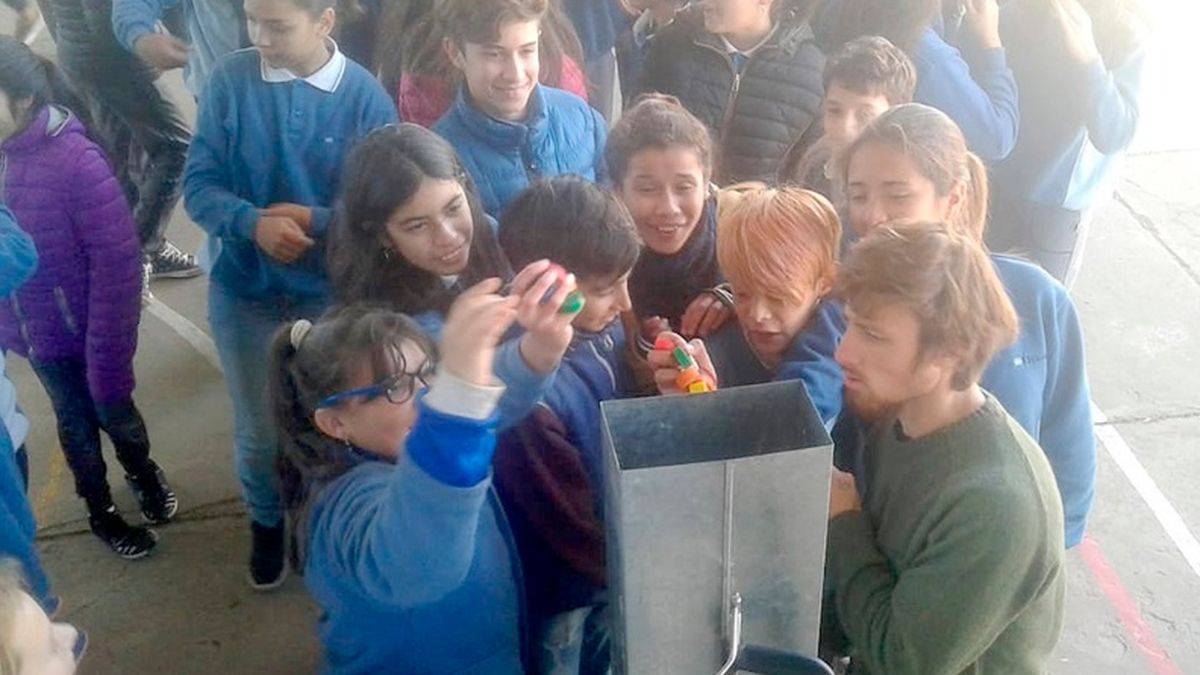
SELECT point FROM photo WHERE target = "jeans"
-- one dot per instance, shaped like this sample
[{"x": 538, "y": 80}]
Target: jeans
[
  {"x": 242, "y": 329},
  {"x": 17, "y": 527},
  {"x": 80, "y": 420},
  {"x": 575, "y": 642}
]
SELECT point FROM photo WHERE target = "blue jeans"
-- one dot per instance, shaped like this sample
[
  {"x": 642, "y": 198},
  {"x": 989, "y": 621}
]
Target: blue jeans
[
  {"x": 80, "y": 420},
  {"x": 242, "y": 329},
  {"x": 575, "y": 642}
]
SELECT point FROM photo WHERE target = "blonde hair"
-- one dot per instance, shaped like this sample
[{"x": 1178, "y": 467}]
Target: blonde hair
[
  {"x": 781, "y": 242},
  {"x": 937, "y": 147},
  {"x": 12, "y": 592},
  {"x": 946, "y": 278}
]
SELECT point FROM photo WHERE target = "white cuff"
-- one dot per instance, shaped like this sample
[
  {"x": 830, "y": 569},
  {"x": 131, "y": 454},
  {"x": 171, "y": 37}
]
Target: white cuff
[{"x": 453, "y": 395}]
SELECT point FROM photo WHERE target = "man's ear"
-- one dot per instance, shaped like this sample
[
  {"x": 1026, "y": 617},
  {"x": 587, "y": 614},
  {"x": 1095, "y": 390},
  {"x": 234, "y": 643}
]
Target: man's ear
[
  {"x": 330, "y": 424},
  {"x": 454, "y": 54}
]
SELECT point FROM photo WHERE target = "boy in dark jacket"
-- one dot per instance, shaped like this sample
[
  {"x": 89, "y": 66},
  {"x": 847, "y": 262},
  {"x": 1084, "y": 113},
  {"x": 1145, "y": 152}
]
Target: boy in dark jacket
[
  {"x": 752, "y": 73},
  {"x": 508, "y": 129},
  {"x": 548, "y": 468}
]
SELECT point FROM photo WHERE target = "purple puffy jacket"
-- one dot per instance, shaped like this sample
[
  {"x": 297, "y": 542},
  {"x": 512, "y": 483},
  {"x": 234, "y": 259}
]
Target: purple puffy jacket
[{"x": 85, "y": 298}]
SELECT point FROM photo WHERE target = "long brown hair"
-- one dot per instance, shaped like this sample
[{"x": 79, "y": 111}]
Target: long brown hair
[{"x": 936, "y": 146}]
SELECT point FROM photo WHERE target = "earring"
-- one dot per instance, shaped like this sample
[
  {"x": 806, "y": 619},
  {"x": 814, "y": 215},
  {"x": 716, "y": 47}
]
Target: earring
[{"x": 387, "y": 253}]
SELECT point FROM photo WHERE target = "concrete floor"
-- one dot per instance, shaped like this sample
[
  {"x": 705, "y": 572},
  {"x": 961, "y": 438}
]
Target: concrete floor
[{"x": 1133, "y": 599}]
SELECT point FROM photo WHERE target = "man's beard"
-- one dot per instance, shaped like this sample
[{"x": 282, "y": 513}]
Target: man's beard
[{"x": 868, "y": 408}]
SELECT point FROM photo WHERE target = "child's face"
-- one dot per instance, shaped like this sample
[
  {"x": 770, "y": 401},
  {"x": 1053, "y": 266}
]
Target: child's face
[
  {"x": 433, "y": 229},
  {"x": 847, "y": 112},
  {"x": 12, "y": 116},
  {"x": 379, "y": 425},
  {"x": 500, "y": 75},
  {"x": 884, "y": 184},
  {"x": 42, "y": 647},
  {"x": 665, "y": 190},
  {"x": 724, "y": 17},
  {"x": 770, "y": 322},
  {"x": 606, "y": 299},
  {"x": 287, "y": 35}
]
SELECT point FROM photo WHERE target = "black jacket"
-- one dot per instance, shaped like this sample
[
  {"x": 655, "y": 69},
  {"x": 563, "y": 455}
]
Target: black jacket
[{"x": 756, "y": 118}]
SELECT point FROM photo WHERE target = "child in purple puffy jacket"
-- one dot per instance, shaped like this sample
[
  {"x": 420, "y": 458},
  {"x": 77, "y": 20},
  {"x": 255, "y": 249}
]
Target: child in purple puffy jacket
[{"x": 76, "y": 319}]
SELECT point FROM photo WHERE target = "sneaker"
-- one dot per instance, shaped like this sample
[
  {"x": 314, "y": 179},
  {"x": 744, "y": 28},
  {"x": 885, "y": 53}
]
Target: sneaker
[
  {"x": 267, "y": 568},
  {"x": 155, "y": 496},
  {"x": 171, "y": 263},
  {"x": 127, "y": 541},
  {"x": 80, "y": 647},
  {"x": 147, "y": 270}
]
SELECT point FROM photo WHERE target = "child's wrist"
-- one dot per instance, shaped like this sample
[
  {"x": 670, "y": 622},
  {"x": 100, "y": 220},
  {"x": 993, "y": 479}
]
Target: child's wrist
[{"x": 542, "y": 358}]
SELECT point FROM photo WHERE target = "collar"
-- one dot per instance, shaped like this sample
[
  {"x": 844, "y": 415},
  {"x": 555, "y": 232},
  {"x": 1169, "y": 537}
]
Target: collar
[
  {"x": 49, "y": 122},
  {"x": 730, "y": 49},
  {"x": 327, "y": 78}
]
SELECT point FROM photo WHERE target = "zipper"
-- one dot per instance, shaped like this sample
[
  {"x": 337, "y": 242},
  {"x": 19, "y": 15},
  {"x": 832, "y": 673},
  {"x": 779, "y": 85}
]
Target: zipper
[
  {"x": 734, "y": 90},
  {"x": 3, "y": 177},
  {"x": 612, "y": 377},
  {"x": 60, "y": 297}
]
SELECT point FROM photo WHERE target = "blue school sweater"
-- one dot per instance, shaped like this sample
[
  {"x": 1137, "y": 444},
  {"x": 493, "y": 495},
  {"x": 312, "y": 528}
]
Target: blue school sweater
[
  {"x": 810, "y": 359},
  {"x": 18, "y": 260},
  {"x": 412, "y": 563},
  {"x": 549, "y": 473},
  {"x": 257, "y": 143},
  {"x": 978, "y": 93},
  {"x": 1077, "y": 120},
  {"x": 1041, "y": 381},
  {"x": 561, "y": 134}
]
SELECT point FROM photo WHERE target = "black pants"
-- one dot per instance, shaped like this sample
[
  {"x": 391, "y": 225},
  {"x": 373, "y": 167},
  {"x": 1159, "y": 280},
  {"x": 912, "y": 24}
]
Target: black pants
[
  {"x": 80, "y": 420},
  {"x": 1047, "y": 235},
  {"x": 141, "y": 131}
]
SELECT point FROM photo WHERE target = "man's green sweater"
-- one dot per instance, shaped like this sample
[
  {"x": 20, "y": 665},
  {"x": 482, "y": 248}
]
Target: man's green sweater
[{"x": 955, "y": 563}]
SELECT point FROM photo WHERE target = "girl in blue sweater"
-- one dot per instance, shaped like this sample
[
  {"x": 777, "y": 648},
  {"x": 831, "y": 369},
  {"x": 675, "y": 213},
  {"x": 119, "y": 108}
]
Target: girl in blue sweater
[
  {"x": 913, "y": 163},
  {"x": 400, "y": 535},
  {"x": 275, "y": 124},
  {"x": 411, "y": 235}
]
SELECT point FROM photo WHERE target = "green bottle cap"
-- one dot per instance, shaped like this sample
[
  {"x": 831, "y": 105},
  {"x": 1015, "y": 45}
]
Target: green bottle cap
[
  {"x": 573, "y": 304},
  {"x": 683, "y": 358}
]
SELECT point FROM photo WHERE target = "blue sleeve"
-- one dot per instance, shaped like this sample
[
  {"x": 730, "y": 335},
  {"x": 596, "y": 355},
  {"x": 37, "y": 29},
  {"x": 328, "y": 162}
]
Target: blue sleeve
[
  {"x": 1067, "y": 435},
  {"x": 1115, "y": 99},
  {"x": 322, "y": 218},
  {"x": 980, "y": 98},
  {"x": 404, "y": 536},
  {"x": 18, "y": 255},
  {"x": 131, "y": 19},
  {"x": 811, "y": 360},
  {"x": 523, "y": 386},
  {"x": 208, "y": 191}
]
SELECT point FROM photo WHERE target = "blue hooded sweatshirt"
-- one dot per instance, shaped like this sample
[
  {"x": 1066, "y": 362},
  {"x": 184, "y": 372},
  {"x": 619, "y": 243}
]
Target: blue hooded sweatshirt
[
  {"x": 413, "y": 563},
  {"x": 809, "y": 359},
  {"x": 560, "y": 134}
]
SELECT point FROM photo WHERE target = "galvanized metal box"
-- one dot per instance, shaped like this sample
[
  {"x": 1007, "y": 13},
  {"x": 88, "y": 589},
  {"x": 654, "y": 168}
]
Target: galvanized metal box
[{"x": 707, "y": 496}]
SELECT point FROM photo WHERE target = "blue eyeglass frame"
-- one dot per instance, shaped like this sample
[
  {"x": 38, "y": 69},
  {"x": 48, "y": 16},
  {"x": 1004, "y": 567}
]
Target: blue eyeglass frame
[{"x": 381, "y": 389}]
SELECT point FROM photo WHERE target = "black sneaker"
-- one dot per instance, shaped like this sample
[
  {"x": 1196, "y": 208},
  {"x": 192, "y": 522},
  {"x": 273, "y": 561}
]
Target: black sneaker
[
  {"x": 267, "y": 564},
  {"x": 128, "y": 541},
  {"x": 171, "y": 263},
  {"x": 155, "y": 496}
]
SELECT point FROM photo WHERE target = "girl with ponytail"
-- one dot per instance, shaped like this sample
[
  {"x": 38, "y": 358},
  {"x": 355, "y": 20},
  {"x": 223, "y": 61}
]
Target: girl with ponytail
[
  {"x": 76, "y": 319},
  {"x": 386, "y": 453},
  {"x": 912, "y": 163}
]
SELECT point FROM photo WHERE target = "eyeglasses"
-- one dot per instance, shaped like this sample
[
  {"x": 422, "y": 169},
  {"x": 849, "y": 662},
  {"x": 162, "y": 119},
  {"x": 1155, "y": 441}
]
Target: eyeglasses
[{"x": 398, "y": 389}]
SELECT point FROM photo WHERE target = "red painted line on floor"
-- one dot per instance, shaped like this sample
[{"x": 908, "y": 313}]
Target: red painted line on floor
[{"x": 1156, "y": 657}]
